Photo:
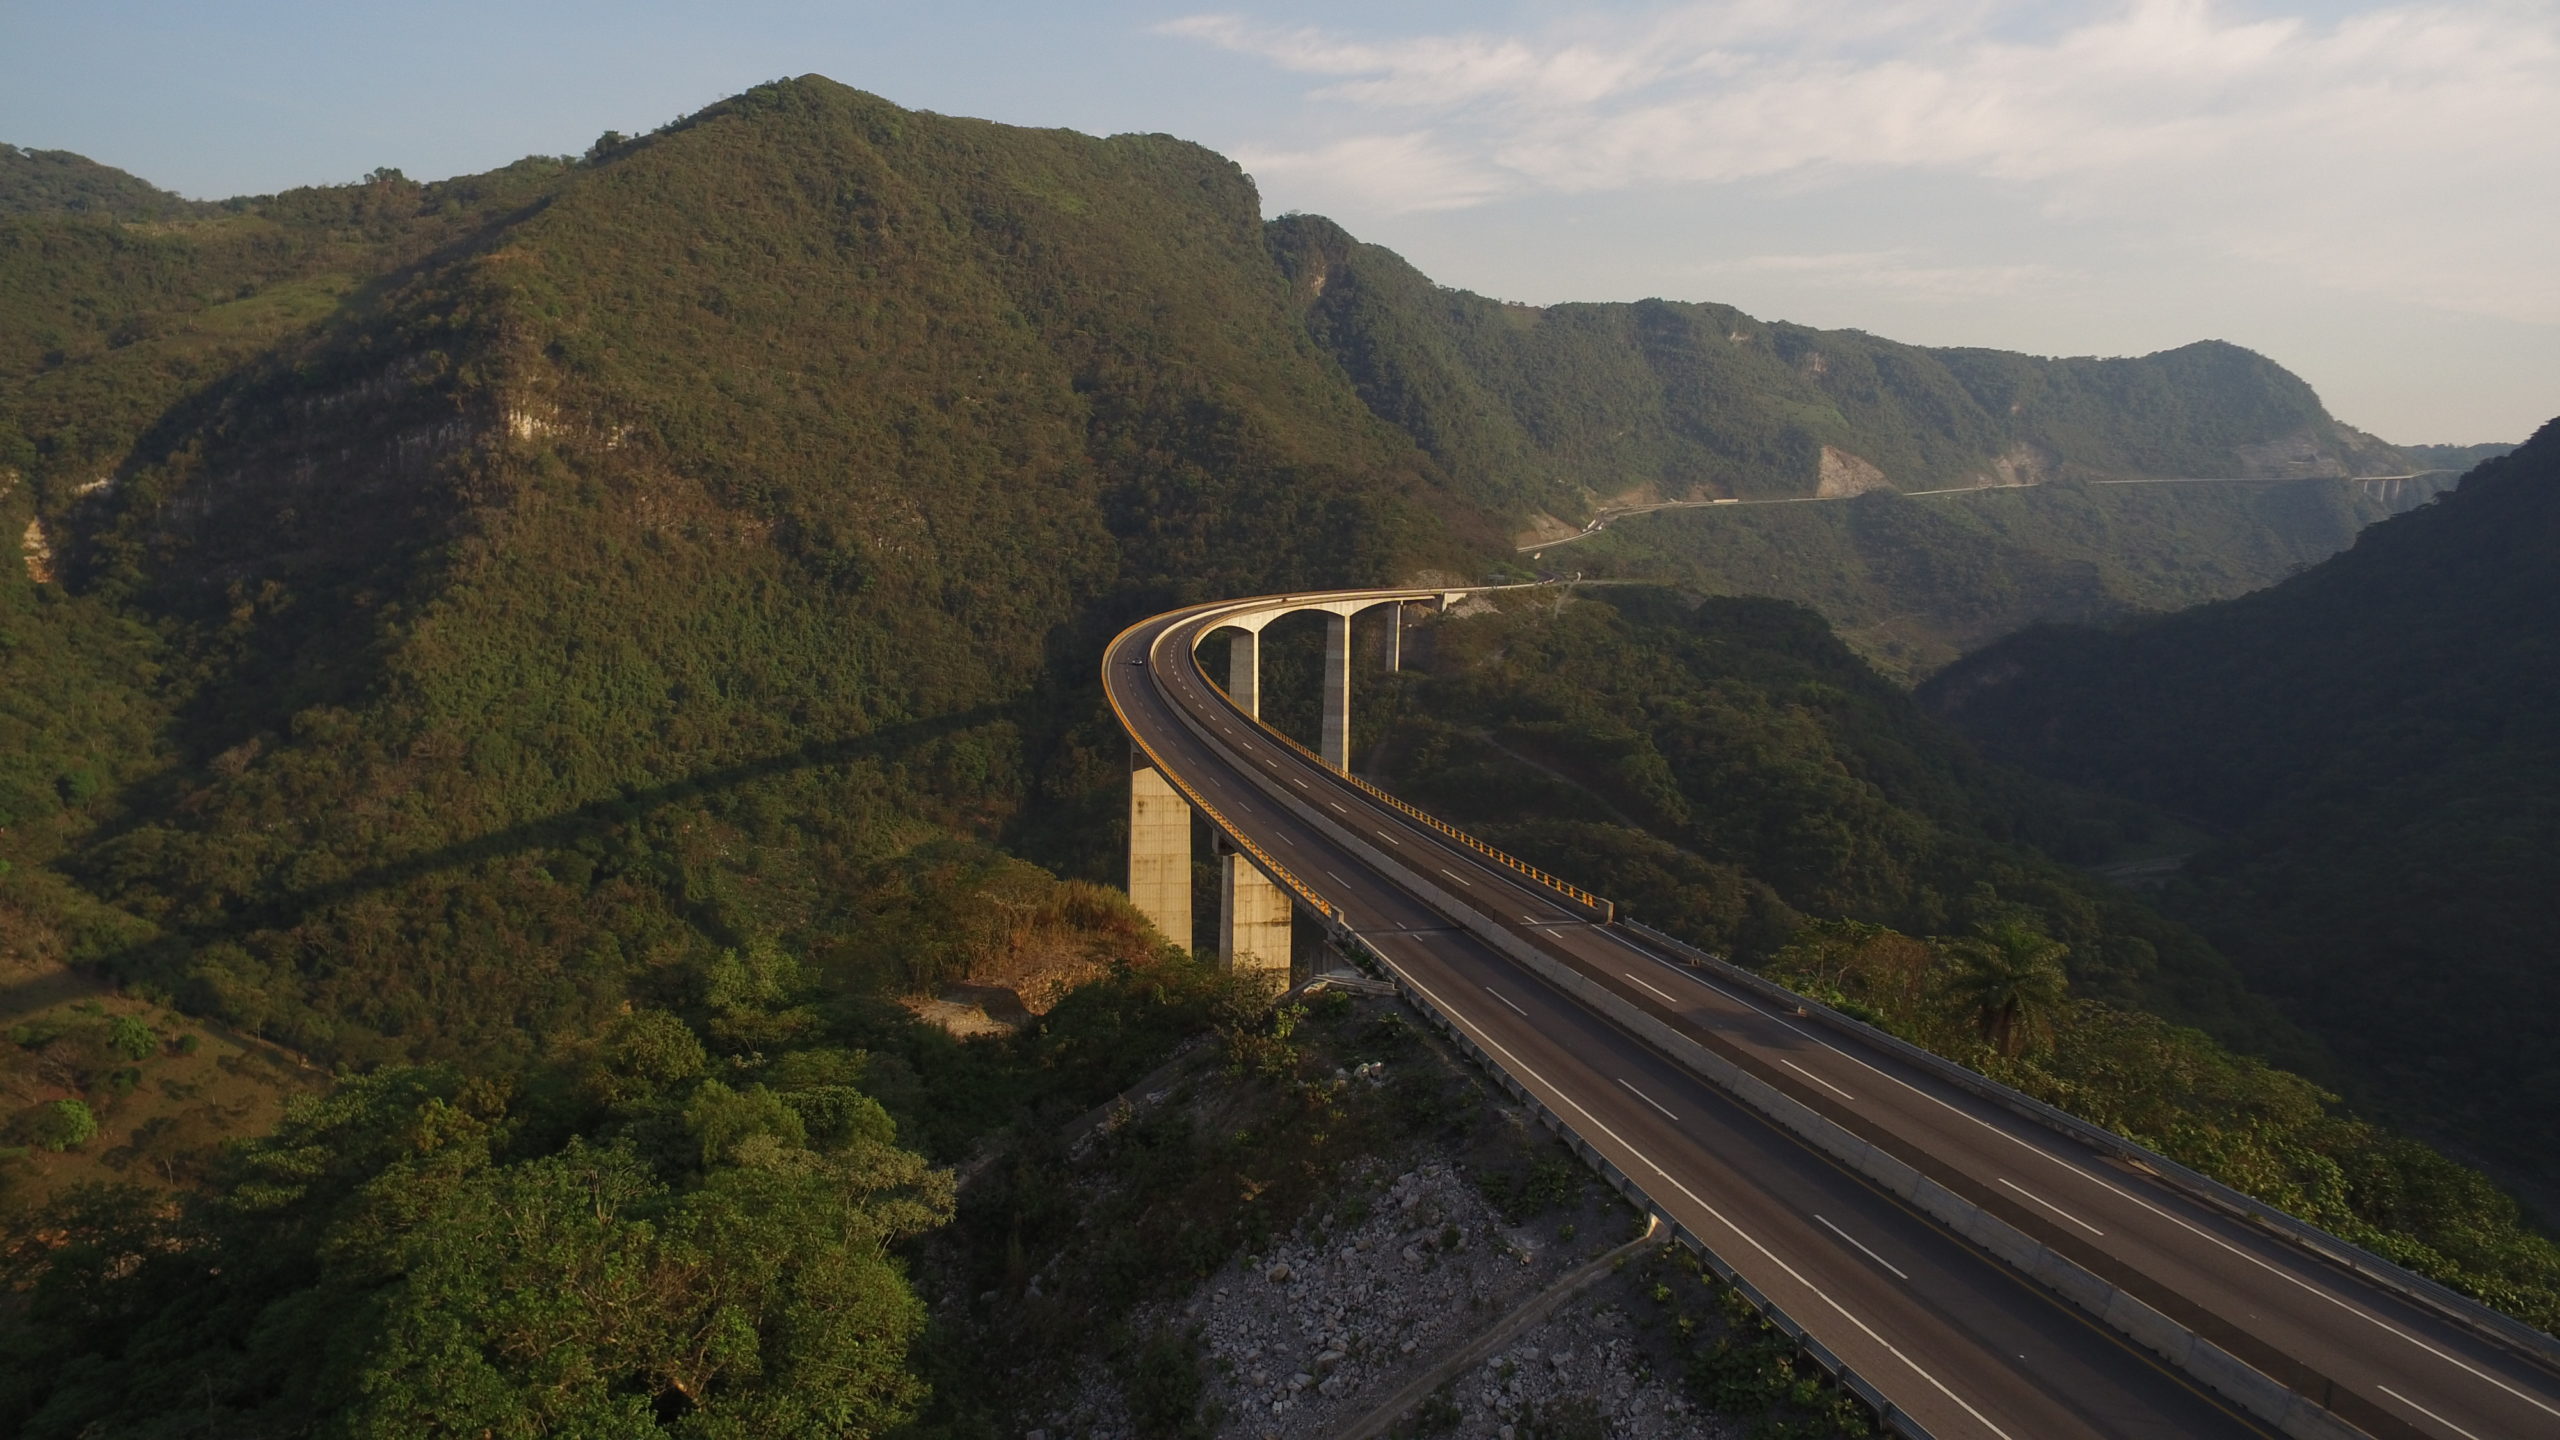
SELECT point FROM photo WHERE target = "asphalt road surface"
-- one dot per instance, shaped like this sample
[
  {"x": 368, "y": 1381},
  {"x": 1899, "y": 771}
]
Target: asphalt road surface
[{"x": 1954, "y": 1337}]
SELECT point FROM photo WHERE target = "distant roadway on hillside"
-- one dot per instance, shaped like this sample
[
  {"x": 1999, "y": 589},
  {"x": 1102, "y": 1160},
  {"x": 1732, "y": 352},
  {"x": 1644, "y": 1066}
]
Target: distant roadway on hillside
[{"x": 1602, "y": 520}]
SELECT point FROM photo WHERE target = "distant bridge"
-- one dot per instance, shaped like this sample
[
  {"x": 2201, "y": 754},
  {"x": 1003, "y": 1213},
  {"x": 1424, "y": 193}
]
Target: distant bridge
[{"x": 1969, "y": 1261}]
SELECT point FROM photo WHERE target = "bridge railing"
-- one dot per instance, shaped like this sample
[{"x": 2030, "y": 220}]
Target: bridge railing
[{"x": 1605, "y": 909}]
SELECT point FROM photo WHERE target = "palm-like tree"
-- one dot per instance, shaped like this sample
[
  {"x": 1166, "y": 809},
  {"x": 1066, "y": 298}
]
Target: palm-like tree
[{"x": 2010, "y": 975}]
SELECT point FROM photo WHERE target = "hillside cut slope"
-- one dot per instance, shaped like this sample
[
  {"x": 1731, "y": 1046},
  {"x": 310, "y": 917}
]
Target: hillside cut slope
[{"x": 2379, "y": 739}]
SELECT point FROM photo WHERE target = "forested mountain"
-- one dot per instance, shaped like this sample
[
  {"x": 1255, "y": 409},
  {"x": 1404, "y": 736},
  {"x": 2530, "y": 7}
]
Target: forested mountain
[
  {"x": 1565, "y": 406},
  {"x": 57, "y": 182},
  {"x": 389, "y": 540},
  {"x": 2378, "y": 742},
  {"x": 1566, "y": 410},
  {"x": 554, "y": 654}
]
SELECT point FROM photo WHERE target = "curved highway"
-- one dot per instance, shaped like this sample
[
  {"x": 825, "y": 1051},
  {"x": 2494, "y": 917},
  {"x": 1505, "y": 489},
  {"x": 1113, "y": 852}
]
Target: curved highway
[{"x": 1960, "y": 1342}]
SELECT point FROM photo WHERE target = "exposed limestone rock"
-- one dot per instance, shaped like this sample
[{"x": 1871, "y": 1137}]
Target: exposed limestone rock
[
  {"x": 2020, "y": 464},
  {"x": 1842, "y": 474},
  {"x": 39, "y": 552}
]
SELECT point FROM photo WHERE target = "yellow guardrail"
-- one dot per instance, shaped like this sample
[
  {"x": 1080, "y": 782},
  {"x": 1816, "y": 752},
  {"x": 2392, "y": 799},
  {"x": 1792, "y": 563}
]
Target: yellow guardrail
[{"x": 1607, "y": 910}]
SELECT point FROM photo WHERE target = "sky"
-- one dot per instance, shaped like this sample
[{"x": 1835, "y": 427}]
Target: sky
[{"x": 2368, "y": 193}]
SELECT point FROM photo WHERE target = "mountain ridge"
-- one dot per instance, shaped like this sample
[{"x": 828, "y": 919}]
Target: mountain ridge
[{"x": 2374, "y": 741}]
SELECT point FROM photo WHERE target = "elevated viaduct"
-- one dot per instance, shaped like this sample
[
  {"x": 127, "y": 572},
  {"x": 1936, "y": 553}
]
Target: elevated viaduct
[{"x": 1969, "y": 1261}]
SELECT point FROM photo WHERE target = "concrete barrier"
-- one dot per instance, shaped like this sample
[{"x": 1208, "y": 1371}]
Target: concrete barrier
[
  {"x": 2462, "y": 1310},
  {"x": 2290, "y": 1412}
]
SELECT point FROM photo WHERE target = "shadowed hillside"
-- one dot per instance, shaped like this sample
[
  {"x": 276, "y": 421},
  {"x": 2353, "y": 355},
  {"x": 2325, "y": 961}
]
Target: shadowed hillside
[{"x": 2376, "y": 739}]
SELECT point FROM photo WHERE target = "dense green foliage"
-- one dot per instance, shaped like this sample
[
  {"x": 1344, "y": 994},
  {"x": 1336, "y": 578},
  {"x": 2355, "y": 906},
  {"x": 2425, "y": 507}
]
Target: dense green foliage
[
  {"x": 2378, "y": 740},
  {"x": 1914, "y": 582},
  {"x": 1725, "y": 767},
  {"x": 2256, "y": 1128},
  {"x": 45, "y": 182},
  {"x": 686, "y": 1223},
  {"x": 612, "y": 562}
]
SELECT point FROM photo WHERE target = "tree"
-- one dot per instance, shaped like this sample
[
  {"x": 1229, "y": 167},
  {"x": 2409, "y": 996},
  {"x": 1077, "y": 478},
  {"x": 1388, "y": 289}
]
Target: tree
[
  {"x": 62, "y": 1125},
  {"x": 2010, "y": 975}
]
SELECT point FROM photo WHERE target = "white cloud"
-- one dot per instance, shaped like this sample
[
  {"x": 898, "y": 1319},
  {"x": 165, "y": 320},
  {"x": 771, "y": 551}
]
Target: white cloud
[
  {"x": 1897, "y": 273},
  {"x": 2407, "y": 149},
  {"x": 1412, "y": 171}
]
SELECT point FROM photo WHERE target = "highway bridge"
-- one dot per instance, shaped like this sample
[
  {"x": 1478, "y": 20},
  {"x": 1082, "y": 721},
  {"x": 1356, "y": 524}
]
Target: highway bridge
[{"x": 1969, "y": 1261}]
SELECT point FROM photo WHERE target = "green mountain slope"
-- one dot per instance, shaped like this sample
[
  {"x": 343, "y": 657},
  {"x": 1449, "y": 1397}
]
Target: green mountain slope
[
  {"x": 777, "y": 467},
  {"x": 1568, "y": 414},
  {"x": 51, "y": 182},
  {"x": 2377, "y": 740},
  {"x": 1566, "y": 407}
]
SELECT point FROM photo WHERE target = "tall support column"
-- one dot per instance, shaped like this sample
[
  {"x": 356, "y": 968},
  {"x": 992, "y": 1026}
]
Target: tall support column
[
  {"x": 1395, "y": 637},
  {"x": 1337, "y": 692},
  {"x": 1253, "y": 919},
  {"x": 1159, "y": 851},
  {"x": 1244, "y": 670}
]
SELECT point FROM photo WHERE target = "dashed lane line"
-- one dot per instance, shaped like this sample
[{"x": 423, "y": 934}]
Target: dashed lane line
[
  {"x": 1816, "y": 1079},
  {"x": 1863, "y": 1250},
  {"x": 2049, "y": 1205},
  {"x": 1649, "y": 1100},
  {"x": 1664, "y": 995},
  {"x": 2423, "y": 1410},
  {"x": 1745, "y": 1236}
]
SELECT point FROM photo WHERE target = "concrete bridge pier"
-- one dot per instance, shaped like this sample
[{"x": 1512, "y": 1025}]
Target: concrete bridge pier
[
  {"x": 1395, "y": 637},
  {"x": 1159, "y": 850},
  {"x": 1253, "y": 918},
  {"x": 1244, "y": 670},
  {"x": 1336, "y": 748}
]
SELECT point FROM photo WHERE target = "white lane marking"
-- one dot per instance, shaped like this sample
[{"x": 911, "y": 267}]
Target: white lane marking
[
  {"x": 1337, "y": 809},
  {"x": 1390, "y": 839},
  {"x": 2111, "y": 1187},
  {"x": 2423, "y": 1410},
  {"x": 1663, "y": 993},
  {"x": 1649, "y": 1100},
  {"x": 1505, "y": 999},
  {"x": 1513, "y": 1061},
  {"x": 1454, "y": 875},
  {"x": 1294, "y": 780},
  {"x": 1816, "y": 1079},
  {"x": 1338, "y": 880},
  {"x": 1863, "y": 1250},
  {"x": 2049, "y": 1205}
]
